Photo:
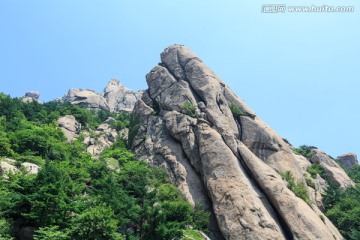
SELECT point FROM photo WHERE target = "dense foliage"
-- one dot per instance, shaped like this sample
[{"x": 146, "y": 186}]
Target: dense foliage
[
  {"x": 75, "y": 196},
  {"x": 342, "y": 207}
]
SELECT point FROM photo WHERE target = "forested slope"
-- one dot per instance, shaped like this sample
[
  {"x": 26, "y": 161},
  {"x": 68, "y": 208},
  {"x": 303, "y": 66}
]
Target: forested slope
[{"x": 75, "y": 196}]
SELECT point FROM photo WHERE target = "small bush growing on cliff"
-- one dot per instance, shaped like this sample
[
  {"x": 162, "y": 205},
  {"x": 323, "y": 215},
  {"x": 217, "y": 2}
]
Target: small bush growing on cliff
[
  {"x": 188, "y": 108},
  {"x": 298, "y": 188},
  {"x": 305, "y": 151},
  {"x": 236, "y": 111},
  {"x": 315, "y": 169}
]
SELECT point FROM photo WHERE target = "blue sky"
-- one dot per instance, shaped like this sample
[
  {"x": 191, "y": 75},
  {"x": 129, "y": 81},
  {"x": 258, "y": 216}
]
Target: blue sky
[{"x": 299, "y": 71}]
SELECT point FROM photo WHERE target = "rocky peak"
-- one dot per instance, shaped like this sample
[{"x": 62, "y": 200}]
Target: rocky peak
[
  {"x": 120, "y": 98},
  {"x": 348, "y": 160},
  {"x": 31, "y": 96},
  {"x": 220, "y": 154},
  {"x": 86, "y": 98},
  {"x": 336, "y": 174},
  {"x": 115, "y": 97}
]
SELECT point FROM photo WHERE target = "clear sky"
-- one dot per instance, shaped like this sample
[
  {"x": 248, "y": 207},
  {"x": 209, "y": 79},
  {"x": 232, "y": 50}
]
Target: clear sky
[{"x": 299, "y": 71}]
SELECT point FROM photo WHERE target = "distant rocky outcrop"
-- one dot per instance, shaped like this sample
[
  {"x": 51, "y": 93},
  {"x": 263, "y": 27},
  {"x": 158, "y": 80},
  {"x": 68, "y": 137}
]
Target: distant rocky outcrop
[
  {"x": 220, "y": 154},
  {"x": 86, "y": 98},
  {"x": 336, "y": 174},
  {"x": 11, "y": 166},
  {"x": 115, "y": 97},
  {"x": 31, "y": 97},
  {"x": 119, "y": 98},
  {"x": 348, "y": 160},
  {"x": 95, "y": 140}
]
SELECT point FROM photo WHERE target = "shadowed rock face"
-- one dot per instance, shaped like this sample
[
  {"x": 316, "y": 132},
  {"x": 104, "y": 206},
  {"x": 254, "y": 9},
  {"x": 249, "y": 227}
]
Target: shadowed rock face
[{"x": 230, "y": 163}]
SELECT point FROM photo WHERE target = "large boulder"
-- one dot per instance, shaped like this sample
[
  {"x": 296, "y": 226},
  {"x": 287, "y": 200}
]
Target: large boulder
[
  {"x": 7, "y": 167},
  {"x": 86, "y": 98},
  {"x": 119, "y": 98},
  {"x": 69, "y": 126},
  {"x": 30, "y": 168},
  {"x": 31, "y": 97},
  {"x": 347, "y": 160},
  {"x": 221, "y": 155},
  {"x": 115, "y": 98},
  {"x": 336, "y": 174}
]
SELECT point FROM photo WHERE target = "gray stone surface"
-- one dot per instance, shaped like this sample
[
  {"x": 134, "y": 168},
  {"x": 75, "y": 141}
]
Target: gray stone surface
[
  {"x": 230, "y": 165},
  {"x": 86, "y": 98},
  {"x": 119, "y": 98},
  {"x": 31, "y": 97},
  {"x": 30, "y": 168},
  {"x": 33, "y": 94},
  {"x": 336, "y": 174},
  {"x": 69, "y": 126},
  {"x": 115, "y": 97},
  {"x": 6, "y": 168},
  {"x": 348, "y": 160}
]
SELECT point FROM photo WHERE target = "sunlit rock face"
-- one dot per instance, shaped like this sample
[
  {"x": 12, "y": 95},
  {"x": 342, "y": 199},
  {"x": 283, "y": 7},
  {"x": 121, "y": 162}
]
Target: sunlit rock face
[
  {"x": 348, "y": 160},
  {"x": 221, "y": 155},
  {"x": 115, "y": 98}
]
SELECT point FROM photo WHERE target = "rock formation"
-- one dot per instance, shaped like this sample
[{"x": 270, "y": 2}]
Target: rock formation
[
  {"x": 348, "y": 160},
  {"x": 119, "y": 98},
  {"x": 336, "y": 174},
  {"x": 86, "y": 98},
  {"x": 8, "y": 165},
  {"x": 69, "y": 126},
  {"x": 97, "y": 140},
  {"x": 115, "y": 97},
  {"x": 220, "y": 154},
  {"x": 31, "y": 96}
]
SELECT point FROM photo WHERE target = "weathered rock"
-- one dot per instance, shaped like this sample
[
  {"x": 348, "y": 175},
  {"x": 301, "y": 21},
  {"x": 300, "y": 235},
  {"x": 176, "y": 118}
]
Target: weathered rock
[
  {"x": 336, "y": 174},
  {"x": 110, "y": 120},
  {"x": 115, "y": 97},
  {"x": 119, "y": 98},
  {"x": 30, "y": 168},
  {"x": 229, "y": 164},
  {"x": 86, "y": 98},
  {"x": 69, "y": 126},
  {"x": 34, "y": 95},
  {"x": 347, "y": 160},
  {"x": 31, "y": 97},
  {"x": 97, "y": 140},
  {"x": 6, "y": 168}
]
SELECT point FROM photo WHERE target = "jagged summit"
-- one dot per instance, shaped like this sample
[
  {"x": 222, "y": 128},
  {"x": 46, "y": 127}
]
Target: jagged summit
[
  {"x": 220, "y": 154},
  {"x": 115, "y": 97}
]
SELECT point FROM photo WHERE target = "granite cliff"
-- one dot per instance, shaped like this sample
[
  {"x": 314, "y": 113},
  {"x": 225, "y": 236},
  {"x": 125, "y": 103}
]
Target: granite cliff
[{"x": 221, "y": 155}]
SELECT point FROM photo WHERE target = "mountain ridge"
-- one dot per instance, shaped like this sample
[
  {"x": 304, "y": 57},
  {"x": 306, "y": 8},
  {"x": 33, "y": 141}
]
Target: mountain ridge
[{"x": 220, "y": 154}]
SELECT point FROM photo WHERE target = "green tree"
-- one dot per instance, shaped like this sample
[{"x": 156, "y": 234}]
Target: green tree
[
  {"x": 51, "y": 233},
  {"x": 53, "y": 198},
  {"x": 95, "y": 223}
]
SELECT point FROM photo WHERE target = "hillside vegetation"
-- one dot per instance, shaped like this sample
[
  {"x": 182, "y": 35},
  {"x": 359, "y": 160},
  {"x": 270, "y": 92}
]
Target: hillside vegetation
[
  {"x": 342, "y": 207},
  {"x": 75, "y": 196}
]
